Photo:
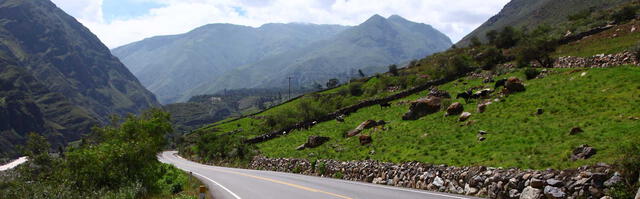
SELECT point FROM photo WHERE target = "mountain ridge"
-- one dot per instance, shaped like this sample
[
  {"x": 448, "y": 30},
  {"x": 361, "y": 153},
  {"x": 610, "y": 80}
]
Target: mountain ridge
[
  {"x": 57, "y": 78},
  {"x": 284, "y": 59}
]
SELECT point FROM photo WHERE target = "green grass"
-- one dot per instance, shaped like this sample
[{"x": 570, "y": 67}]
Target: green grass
[
  {"x": 603, "y": 43},
  {"x": 601, "y": 103}
]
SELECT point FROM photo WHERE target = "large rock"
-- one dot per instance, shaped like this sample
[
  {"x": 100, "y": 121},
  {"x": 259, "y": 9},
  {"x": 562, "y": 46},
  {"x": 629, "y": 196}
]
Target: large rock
[
  {"x": 482, "y": 107},
  {"x": 615, "y": 179},
  {"x": 514, "y": 85},
  {"x": 554, "y": 192},
  {"x": 537, "y": 183},
  {"x": 313, "y": 141},
  {"x": 464, "y": 116},
  {"x": 455, "y": 109},
  {"x": 638, "y": 194},
  {"x": 364, "y": 125},
  {"x": 583, "y": 152},
  {"x": 438, "y": 182},
  {"x": 531, "y": 193},
  {"x": 365, "y": 139},
  {"x": 422, "y": 107}
]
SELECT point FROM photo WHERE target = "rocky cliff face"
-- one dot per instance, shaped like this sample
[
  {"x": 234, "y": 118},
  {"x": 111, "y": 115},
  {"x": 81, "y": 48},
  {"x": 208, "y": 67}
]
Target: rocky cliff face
[{"x": 57, "y": 78}]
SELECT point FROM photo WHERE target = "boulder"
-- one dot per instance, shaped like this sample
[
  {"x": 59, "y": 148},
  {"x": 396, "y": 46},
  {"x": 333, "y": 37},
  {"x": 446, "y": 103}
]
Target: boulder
[
  {"x": 615, "y": 179},
  {"x": 422, "y": 107},
  {"x": 313, "y": 141},
  {"x": 364, "y": 125},
  {"x": 513, "y": 194},
  {"x": 365, "y": 139},
  {"x": 514, "y": 85},
  {"x": 455, "y": 109},
  {"x": 638, "y": 194},
  {"x": 537, "y": 183},
  {"x": 464, "y": 116},
  {"x": 555, "y": 183},
  {"x": 554, "y": 192},
  {"x": 481, "y": 139},
  {"x": 481, "y": 108},
  {"x": 583, "y": 152},
  {"x": 438, "y": 182},
  {"x": 531, "y": 193},
  {"x": 575, "y": 131}
]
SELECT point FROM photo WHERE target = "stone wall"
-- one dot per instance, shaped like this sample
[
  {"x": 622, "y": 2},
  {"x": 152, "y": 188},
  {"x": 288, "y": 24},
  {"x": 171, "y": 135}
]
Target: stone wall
[
  {"x": 584, "y": 182},
  {"x": 598, "y": 61}
]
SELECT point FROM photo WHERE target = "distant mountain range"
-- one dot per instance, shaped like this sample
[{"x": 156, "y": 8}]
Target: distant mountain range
[
  {"x": 56, "y": 77},
  {"x": 532, "y": 13},
  {"x": 224, "y": 56}
]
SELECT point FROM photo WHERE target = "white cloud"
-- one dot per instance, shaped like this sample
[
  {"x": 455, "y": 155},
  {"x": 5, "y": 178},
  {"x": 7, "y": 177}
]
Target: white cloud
[{"x": 454, "y": 18}]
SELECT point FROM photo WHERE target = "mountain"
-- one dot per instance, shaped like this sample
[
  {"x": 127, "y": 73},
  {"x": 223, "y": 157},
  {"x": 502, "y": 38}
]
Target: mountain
[
  {"x": 319, "y": 53},
  {"x": 56, "y": 77},
  {"x": 531, "y": 13},
  {"x": 169, "y": 65},
  {"x": 374, "y": 44}
]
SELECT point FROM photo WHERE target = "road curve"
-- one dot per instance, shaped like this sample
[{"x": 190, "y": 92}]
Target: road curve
[{"x": 232, "y": 183}]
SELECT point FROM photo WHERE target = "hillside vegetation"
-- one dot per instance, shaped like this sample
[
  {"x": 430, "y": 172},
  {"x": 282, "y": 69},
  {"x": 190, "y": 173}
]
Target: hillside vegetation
[{"x": 603, "y": 102}]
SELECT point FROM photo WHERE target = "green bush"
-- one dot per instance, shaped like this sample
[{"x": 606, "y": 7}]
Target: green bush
[
  {"x": 625, "y": 14},
  {"x": 531, "y": 73},
  {"x": 355, "y": 88},
  {"x": 338, "y": 175}
]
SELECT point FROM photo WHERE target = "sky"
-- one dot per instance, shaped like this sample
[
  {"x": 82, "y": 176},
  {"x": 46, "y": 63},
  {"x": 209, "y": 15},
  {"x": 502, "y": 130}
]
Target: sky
[{"x": 119, "y": 22}]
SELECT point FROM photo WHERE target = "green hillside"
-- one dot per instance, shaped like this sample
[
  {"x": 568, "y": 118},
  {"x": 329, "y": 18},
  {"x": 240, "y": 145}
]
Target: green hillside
[
  {"x": 604, "y": 103},
  {"x": 531, "y": 13}
]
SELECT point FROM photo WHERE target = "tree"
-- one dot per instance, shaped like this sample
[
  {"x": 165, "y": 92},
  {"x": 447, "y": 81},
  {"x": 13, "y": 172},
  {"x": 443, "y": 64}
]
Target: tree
[
  {"x": 361, "y": 73},
  {"x": 627, "y": 13},
  {"x": 332, "y": 83},
  {"x": 393, "y": 69},
  {"x": 507, "y": 38},
  {"x": 492, "y": 35},
  {"x": 537, "y": 46},
  {"x": 475, "y": 41},
  {"x": 489, "y": 58}
]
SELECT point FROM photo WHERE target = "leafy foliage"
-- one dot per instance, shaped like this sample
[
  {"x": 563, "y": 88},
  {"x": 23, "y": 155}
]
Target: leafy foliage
[{"x": 118, "y": 161}]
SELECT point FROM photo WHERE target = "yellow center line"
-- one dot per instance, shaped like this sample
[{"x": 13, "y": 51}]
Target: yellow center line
[{"x": 283, "y": 183}]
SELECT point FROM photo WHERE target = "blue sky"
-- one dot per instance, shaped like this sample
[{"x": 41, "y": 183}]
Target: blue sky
[
  {"x": 119, "y": 22},
  {"x": 126, "y": 9}
]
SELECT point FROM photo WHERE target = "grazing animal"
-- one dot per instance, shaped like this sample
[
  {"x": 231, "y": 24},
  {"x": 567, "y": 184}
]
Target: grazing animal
[
  {"x": 340, "y": 118},
  {"x": 385, "y": 105},
  {"x": 465, "y": 95},
  {"x": 499, "y": 83},
  {"x": 484, "y": 93},
  {"x": 438, "y": 93}
]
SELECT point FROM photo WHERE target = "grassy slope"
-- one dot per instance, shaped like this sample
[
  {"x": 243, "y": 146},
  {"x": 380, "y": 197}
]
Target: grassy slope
[
  {"x": 599, "y": 102},
  {"x": 604, "y": 42}
]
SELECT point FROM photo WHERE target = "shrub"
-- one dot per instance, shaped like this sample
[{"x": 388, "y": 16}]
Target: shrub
[
  {"x": 531, "y": 73},
  {"x": 322, "y": 168},
  {"x": 507, "y": 38},
  {"x": 475, "y": 41},
  {"x": 355, "y": 88},
  {"x": 338, "y": 175},
  {"x": 625, "y": 14},
  {"x": 537, "y": 47},
  {"x": 332, "y": 83},
  {"x": 393, "y": 69},
  {"x": 628, "y": 164},
  {"x": 489, "y": 58}
]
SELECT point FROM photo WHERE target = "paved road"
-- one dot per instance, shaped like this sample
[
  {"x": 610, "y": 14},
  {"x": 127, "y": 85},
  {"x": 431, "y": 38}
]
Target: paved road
[{"x": 232, "y": 183}]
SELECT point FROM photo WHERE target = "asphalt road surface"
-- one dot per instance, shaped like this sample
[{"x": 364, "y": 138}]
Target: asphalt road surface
[{"x": 232, "y": 183}]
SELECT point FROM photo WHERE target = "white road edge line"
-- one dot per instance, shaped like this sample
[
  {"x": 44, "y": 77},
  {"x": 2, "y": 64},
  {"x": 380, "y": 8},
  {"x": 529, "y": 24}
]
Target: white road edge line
[
  {"x": 205, "y": 177},
  {"x": 375, "y": 185},
  {"x": 351, "y": 182},
  {"x": 218, "y": 184},
  {"x": 400, "y": 189}
]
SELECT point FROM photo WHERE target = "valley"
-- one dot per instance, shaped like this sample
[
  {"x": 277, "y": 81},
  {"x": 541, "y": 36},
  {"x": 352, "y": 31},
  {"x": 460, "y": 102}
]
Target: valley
[{"x": 541, "y": 101}]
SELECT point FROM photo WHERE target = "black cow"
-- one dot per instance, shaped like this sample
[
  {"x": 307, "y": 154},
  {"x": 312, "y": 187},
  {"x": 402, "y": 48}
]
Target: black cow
[
  {"x": 500, "y": 83},
  {"x": 385, "y": 105},
  {"x": 465, "y": 95}
]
